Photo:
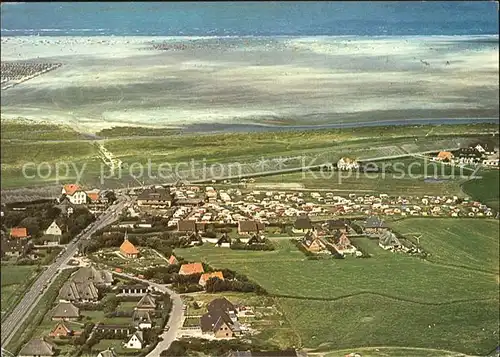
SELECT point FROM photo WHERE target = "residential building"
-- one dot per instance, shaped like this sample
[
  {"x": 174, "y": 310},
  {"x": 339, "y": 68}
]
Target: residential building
[
  {"x": 107, "y": 353},
  {"x": 65, "y": 311},
  {"x": 15, "y": 247},
  {"x": 37, "y": 348},
  {"x": 224, "y": 241},
  {"x": 192, "y": 268},
  {"x": 302, "y": 224},
  {"x": 142, "y": 319},
  {"x": 98, "y": 277},
  {"x": 343, "y": 245},
  {"x": 60, "y": 329},
  {"x": 444, "y": 156},
  {"x": 79, "y": 292},
  {"x": 155, "y": 197},
  {"x": 249, "y": 227},
  {"x": 207, "y": 276},
  {"x": 173, "y": 260},
  {"x": 53, "y": 230},
  {"x": 187, "y": 225},
  {"x": 136, "y": 341},
  {"x": 222, "y": 304},
  {"x": 19, "y": 233},
  {"x": 346, "y": 163},
  {"x": 374, "y": 225},
  {"x": 337, "y": 225},
  {"x": 218, "y": 324},
  {"x": 74, "y": 194},
  {"x": 116, "y": 329},
  {"x": 147, "y": 303},
  {"x": 388, "y": 241},
  {"x": 313, "y": 243}
]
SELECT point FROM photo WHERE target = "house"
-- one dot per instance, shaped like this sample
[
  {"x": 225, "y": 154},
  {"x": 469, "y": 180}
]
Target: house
[
  {"x": 19, "y": 233},
  {"x": 53, "y": 230},
  {"x": 37, "y": 348},
  {"x": 65, "y": 311},
  {"x": 192, "y": 268},
  {"x": 255, "y": 239},
  {"x": 60, "y": 329},
  {"x": 155, "y": 197},
  {"x": 302, "y": 224},
  {"x": 490, "y": 162},
  {"x": 346, "y": 163},
  {"x": 343, "y": 245},
  {"x": 128, "y": 250},
  {"x": 374, "y": 225},
  {"x": 74, "y": 194},
  {"x": 147, "y": 303},
  {"x": 336, "y": 225},
  {"x": 15, "y": 247},
  {"x": 222, "y": 304},
  {"x": 312, "y": 243},
  {"x": 107, "y": 353},
  {"x": 484, "y": 149},
  {"x": 218, "y": 324},
  {"x": 207, "y": 276},
  {"x": 173, "y": 260},
  {"x": 187, "y": 225},
  {"x": 388, "y": 241},
  {"x": 224, "y": 241},
  {"x": 136, "y": 341},
  {"x": 98, "y": 277},
  {"x": 250, "y": 226},
  {"x": 94, "y": 196},
  {"x": 444, "y": 156},
  {"x": 133, "y": 290},
  {"x": 79, "y": 292},
  {"x": 142, "y": 319}
]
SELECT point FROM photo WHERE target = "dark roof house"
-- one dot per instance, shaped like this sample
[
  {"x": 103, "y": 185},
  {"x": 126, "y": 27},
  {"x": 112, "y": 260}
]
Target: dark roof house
[
  {"x": 37, "y": 347},
  {"x": 222, "y": 304},
  {"x": 303, "y": 222}
]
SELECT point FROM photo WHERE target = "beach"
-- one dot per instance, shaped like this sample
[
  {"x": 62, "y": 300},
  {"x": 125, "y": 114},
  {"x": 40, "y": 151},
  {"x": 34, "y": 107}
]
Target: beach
[{"x": 177, "y": 81}]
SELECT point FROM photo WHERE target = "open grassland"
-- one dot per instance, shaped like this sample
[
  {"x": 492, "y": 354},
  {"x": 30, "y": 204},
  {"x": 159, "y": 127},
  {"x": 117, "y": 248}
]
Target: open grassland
[
  {"x": 471, "y": 243},
  {"x": 26, "y": 130},
  {"x": 384, "y": 351},
  {"x": 15, "y": 280},
  {"x": 389, "y": 299},
  {"x": 370, "y": 183},
  {"x": 485, "y": 189}
]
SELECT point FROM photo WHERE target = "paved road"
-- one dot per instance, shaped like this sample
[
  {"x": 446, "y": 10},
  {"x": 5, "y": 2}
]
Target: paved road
[
  {"x": 35, "y": 293},
  {"x": 174, "y": 321}
]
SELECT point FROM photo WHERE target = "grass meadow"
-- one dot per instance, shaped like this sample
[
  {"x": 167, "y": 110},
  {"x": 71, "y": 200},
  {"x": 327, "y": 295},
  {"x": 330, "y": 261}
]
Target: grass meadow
[
  {"x": 15, "y": 280},
  {"x": 449, "y": 302}
]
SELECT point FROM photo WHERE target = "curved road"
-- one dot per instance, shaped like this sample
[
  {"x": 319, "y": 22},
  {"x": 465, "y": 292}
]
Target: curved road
[
  {"x": 174, "y": 321},
  {"x": 31, "y": 297}
]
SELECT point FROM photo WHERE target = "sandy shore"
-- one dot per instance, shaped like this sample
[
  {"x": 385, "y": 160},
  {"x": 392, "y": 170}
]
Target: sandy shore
[{"x": 106, "y": 81}]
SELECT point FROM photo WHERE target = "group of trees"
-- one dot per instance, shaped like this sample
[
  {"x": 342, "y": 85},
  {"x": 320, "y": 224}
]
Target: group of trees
[
  {"x": 265, "y": 244},
  {"x": 195, "y": 346}
]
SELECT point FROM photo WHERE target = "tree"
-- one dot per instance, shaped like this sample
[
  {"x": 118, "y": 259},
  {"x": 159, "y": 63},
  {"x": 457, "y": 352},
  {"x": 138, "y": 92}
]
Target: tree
[{"x": 110, "y": 195}]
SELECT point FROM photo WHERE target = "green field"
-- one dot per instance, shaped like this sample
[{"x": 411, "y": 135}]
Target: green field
[
  {"x": 15, "y": 280},
  {"x": 50, "y": 143},
  {"x": 389, "y": 299},
  {"x": 485, "y": 189}
]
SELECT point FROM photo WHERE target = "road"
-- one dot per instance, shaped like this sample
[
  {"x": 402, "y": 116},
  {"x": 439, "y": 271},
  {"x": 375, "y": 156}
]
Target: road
[
  {"x": 35, "y": 293},
  {"x": 174, "y": 321}
]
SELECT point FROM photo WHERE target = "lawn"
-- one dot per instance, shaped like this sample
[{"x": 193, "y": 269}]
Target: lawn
[
  {"x": 485, "y": 189},
  {"x": 389, "y": 299},
  {"x": 15, "y": 280}
]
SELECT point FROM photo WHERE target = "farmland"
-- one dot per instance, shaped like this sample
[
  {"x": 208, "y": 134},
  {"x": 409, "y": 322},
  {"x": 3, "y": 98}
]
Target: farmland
[
  {"x": 389, "y": 299},
  {"x": 15, "y": 280}
]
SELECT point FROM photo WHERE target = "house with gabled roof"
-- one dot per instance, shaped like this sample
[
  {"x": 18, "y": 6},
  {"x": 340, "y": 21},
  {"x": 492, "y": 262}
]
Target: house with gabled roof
[
  {"x": 222, "y": 304},
  {"x": 19, "y": 233},
  {"x": 343, "y": 245},
  {"x": 374, "y": 225},
  {"x": 136, "y": 341},
  {"x": 218, "y": 324},
  {"x": 388, "y": 241},
  {"x": 302, "y": 224},
  {"x": 37, "y": 347},
  {"x": 249, "y": 227},
  {"x": 53, "y": 230},
  {"x": 192, "y": 268},
  {"x": 173, "y": 260},
  {"x": 155, "y": 196},
  {"x": 207, "y": 276},
  {"x": 65, "y": 311},
  {"x": 98, "y": 277},
  {"x": 187, "y": 226},
  {"x": 313, "y": 243},
  {"x": 224, "y": 241},
  {"x": 61, "y": 329},
  {"x": 142, "y": 319},
  {"x": 336, "y": 225},
  {"x": 75, "y": 194},
  {"x": 147, "y": 303},
  {"x": 79, "y": 292},
  {"x": 110, "y": 352}
]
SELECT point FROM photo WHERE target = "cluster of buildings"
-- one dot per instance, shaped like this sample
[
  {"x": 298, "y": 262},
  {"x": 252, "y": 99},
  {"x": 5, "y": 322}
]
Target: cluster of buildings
[{"x": 475, "y": 154}]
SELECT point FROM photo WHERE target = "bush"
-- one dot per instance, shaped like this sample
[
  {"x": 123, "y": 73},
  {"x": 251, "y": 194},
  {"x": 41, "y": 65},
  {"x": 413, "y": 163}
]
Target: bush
[{"x": 267, "y": 245}]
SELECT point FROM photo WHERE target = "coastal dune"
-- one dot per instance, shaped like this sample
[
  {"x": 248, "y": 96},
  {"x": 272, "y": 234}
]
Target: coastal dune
[{"x": 107, "y": 81}]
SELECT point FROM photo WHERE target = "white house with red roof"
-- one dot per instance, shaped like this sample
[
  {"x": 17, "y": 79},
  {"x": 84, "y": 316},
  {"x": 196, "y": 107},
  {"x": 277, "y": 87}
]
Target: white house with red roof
[{"x": 75, "y": 194}]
